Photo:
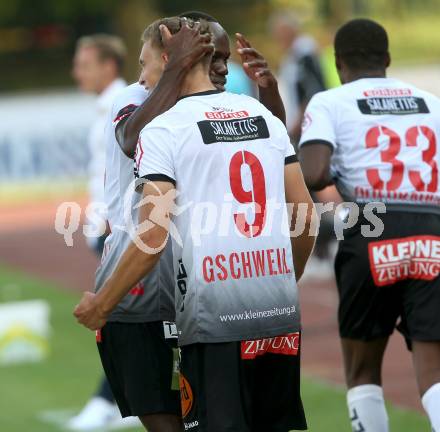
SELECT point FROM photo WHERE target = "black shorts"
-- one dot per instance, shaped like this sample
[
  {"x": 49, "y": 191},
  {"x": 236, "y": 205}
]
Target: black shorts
[
  {"x": 222, "y": 390},
  {"x": 391, "y": 277},
  {"x": 141, "y": 366}
]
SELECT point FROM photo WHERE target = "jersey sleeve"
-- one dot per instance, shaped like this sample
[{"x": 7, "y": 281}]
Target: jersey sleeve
[
  {"x": 154, "y": 155},
  {"x": 126, "y": 102},
  {"x": 290, "y": 154},
  {"x": 289, "y": 151},
  {"x": 319, "y": 122}
]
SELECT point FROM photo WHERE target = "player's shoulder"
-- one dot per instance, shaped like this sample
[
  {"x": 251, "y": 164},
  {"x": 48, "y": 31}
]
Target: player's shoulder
[
  {"x": 428, "y": 96},
  {"x": 178, "y": 117},
  {"x": 244, "y": 100},
  {"x": 134, "y": 89},
  {"x": 217, "y": 99},
  {"x": 361, "y": 88},
  {"x": 386, "y": 87},
  {"x": 165, "y": 123},
  {"x": 170, "y": 119},
  {"x": 133, "y": 94},
  {"x": 329, "y": 97},
  {"x": 252, "y": 106},
  {"x": 404, "y": 89}
]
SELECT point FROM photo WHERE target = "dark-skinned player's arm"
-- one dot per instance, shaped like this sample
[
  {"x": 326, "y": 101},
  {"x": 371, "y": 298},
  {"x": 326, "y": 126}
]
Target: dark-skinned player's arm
[
  {"x": 303, "y": 214},
  {"x": 314, "y": 157},
  {"x": 184, "y": 49},
  {"x": 257, "y": 69},
  {"x": 318, "y": 141},
  {"x": 134, "y": 264}
]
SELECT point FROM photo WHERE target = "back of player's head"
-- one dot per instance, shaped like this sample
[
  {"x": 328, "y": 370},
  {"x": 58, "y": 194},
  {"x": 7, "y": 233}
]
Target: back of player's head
[
  {"x": 153, "y": 35},
  {"x": 362, "y": 44},
  {"x": 108, "y": 47},
  {"x": 197, "y": 16}
]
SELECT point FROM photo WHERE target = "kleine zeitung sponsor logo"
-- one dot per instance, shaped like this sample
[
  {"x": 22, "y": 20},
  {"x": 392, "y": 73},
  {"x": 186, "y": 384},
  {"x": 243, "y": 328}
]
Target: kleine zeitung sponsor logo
[{"x": 416, "y": 257}]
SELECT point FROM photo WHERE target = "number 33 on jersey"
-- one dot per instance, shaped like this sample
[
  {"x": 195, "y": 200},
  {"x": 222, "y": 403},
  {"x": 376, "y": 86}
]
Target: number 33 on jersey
[{"x": 385, "y": 139}]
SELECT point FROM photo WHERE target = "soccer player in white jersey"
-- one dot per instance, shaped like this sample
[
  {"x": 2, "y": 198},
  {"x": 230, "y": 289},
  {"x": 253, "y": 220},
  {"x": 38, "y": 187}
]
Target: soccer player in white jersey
[
  {"x": 236, "y": 297},
  {"x": 136, "y": 345},
  {"x": 137, "y": 387},
  {"x": 377, "y": 139},
  {"x": 97, "y": 68}
]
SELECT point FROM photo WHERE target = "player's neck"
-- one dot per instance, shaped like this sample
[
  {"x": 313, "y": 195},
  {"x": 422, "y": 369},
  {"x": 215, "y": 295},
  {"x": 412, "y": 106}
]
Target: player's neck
[
  {"x": 196, "y": 81},
  {"x": 356, "y": 75}
]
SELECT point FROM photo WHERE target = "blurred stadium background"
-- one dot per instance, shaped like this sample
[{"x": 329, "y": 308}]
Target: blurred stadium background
[{"x": 43, "y": 162}]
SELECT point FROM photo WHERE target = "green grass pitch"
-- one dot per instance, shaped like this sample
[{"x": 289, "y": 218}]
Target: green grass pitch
[{"x": 36, "y": 397}]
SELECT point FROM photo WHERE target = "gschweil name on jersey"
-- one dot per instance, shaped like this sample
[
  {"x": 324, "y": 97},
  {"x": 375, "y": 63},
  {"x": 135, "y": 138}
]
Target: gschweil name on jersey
[
  {"x": 242, "y": 129},
  {"x": 393, "y": 105}
]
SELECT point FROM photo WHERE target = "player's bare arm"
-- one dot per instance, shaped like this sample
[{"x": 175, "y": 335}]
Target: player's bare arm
[
  {"x": 93, "y": 310},
  {"x": 295, "y": 130},
  {"x": 298, "y": 195},
  {"x": 184, "y": 49},
  {"x": 315, "y": 164},
  {"x": 257, "y": 69}
]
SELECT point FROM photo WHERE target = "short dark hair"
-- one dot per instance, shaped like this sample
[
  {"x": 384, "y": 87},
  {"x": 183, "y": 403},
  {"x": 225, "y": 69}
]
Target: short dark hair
[
  {"x": 362, "y": 44},
  {"x": 197, "y": 16}
]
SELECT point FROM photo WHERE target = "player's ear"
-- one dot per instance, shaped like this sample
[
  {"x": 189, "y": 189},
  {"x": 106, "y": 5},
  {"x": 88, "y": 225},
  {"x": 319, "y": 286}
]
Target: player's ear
[
  {"x": 387, "y": 60},
  {"x": 164, "y": 57},
  {"x": 337, "y": 62}
]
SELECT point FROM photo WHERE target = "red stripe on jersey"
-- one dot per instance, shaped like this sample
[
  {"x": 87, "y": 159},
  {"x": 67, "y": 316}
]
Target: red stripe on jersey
[
  {"x": 138, "y": 290},
  {"x": 125, "y": 112},
  {"x": 139, "y": 156}
]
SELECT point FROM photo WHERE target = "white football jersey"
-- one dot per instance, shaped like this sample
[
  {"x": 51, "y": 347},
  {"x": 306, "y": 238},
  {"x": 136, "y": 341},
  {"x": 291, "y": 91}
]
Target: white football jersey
[
  {"x": 152, "y": 299},
  {"x": 232, "y": 252},
  {"x": 385, "y": 138},
  {"x": 119, "y": 167},
  {"x": 97, "y": 140}
]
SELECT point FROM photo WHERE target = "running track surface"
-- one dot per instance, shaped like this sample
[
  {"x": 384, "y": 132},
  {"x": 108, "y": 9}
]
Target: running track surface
[{"x": 28, "y": 242}]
